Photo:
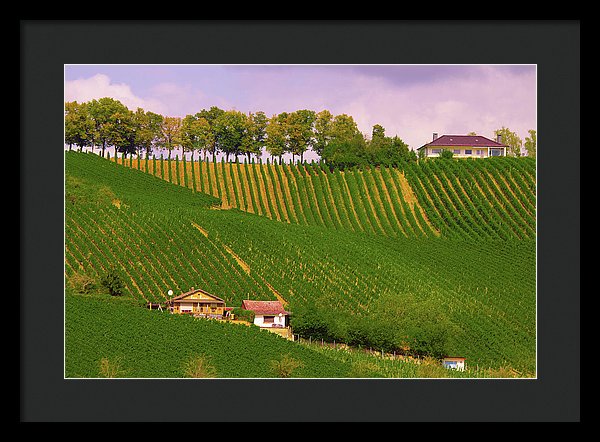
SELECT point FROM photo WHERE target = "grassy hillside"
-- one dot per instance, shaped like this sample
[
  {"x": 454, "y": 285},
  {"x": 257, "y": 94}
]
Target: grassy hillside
[
  {"x": 148, "y": 343},
  {"x": 367, "y": 288}
]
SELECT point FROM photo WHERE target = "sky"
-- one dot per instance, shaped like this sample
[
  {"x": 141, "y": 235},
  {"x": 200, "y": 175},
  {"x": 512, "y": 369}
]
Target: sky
[{"x": 409, "y": 101}]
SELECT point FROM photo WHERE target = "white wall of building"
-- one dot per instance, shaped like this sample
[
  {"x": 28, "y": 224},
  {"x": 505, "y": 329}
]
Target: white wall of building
[
  {"x": 455, "y": 365},
  {"x": 277, "y": 320}
]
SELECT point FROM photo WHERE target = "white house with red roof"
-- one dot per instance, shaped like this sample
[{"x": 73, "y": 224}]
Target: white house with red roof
[
  {"x": 267, "y": 314},
  {"x": 464, "y": 146}
]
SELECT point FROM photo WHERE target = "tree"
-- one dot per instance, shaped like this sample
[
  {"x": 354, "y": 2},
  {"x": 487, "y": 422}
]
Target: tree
[
  {"x": 276, "y": 130},
  {"x": 206, "y": 138},
  {"x": 196, "y": 134},
  {"x": 79, "y": 127},
  {"x": 531, "y": 143},
  {"x": 411, "y": 156},
  {"x": 170, "y": 133},
  {"x": 255, "y": 135},
  {"x": 416, "y": 326},
  {"x": 211, "y": 115},
  {"x": 70, "y": 122},
  {"x": 343, "y": 127},
  {"x": 124, "y": 132},
  {"x": 511, "y": 139},
  {"x": 323, "y": 123},
  {"x": 346, "y": 146},
  {"x": 300, "y": 132},
  {"x": 378, "y": 146},
  {"x": 446, "y": 154},
  {"x": 148, "y": 130},
  {"x": 378, "y": 132},
  {"x": 104, "y": 113},
  {"x": 429, "y": 329},
  {"x": 230, "y": 128},
  {"x": 113, "y": 282},
  {"x": 346, "y": 152},
  {"x": 382, "y": 150}
]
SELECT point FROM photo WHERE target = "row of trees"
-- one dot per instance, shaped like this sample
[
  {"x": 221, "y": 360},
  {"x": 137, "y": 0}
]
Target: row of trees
[
  {"x": 106, "y": 122},
  {"x": 515, "y": 143},
  {"x": 411, "y": 327}
]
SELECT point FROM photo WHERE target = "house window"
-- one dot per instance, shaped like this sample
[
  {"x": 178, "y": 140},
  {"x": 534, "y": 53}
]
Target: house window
[
  {"x": 436, "y": 150},
  {"x": 456, "y": 151},
  {"x": 269, "y": 319},
  {"x": 468, "y": 152},
  {"x": 479, "y": 152},
  {"x": 495, "y": 152}
]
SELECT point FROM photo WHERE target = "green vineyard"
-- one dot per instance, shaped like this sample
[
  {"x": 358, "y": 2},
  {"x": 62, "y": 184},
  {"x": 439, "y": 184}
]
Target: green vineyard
[
  {"x": 467, "y": 199},
  {"x": 389, "y": 258}
]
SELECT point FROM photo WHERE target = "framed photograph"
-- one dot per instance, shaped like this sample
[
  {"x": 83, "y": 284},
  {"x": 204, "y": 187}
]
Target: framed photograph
[{"x": 339, "y": 232}]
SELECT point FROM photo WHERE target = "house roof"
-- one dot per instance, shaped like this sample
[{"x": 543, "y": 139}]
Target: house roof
[
  {"x": 264, "y": 307},
  {"x": 191, "y": 292},
  {"x": 463, "y": 140}
]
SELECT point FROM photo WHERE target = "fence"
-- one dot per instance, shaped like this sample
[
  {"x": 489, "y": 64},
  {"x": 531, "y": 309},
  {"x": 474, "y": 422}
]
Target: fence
[{"x": 342, "y": 346}]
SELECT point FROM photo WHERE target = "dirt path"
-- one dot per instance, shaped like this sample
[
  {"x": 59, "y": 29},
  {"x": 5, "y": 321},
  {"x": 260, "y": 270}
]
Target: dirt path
[
  {"x": 204, "y": 232},
  {"x": 239, "y": 260},
  {"x": 411, "y": 199}
]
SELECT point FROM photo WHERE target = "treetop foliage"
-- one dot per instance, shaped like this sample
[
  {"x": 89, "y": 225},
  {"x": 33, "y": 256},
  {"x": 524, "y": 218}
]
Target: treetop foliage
[{"x": 336, "y": 139}]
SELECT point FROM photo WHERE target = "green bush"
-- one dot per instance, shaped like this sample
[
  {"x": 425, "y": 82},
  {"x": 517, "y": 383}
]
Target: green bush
[
  {"x": 113, "y": 282},
  {"x": 446, "y": 154},
  {"x": 243, "y": 315},
  {"x": 310, "y": 322}
]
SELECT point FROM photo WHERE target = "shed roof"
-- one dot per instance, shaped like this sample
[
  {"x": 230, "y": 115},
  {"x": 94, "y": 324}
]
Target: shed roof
[
  {"x": 264, "y": 307},
  {"x": 191, "y": 292},
  {"x": 463, "y": 140}
]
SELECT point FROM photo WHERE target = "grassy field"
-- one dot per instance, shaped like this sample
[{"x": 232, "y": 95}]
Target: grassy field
[{"x": 453, "y": 242}]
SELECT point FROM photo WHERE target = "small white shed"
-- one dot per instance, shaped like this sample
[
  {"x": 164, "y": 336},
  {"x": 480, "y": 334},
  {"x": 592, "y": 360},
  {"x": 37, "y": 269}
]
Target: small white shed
[{"x": 454, "y": 363}]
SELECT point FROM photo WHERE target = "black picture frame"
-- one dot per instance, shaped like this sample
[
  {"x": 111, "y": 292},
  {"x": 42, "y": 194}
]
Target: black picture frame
[{"x": 47, "y": 45}]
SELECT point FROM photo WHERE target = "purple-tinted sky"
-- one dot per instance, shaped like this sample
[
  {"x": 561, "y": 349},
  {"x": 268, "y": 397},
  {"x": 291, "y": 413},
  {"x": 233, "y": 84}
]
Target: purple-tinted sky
[{"x": 410, "y": 101}]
